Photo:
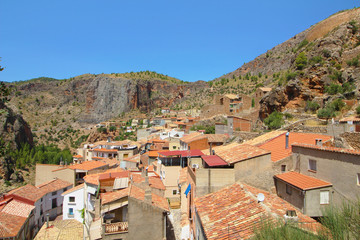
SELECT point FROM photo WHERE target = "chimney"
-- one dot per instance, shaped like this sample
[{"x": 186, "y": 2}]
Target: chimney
[
  {"x": 287, "y": 140},
  {"x": 108, "y": 139},
  {"x": 318, "y": 142},
  {"x": 147, "y": 177},
  {"x": 210, "y": 148}
]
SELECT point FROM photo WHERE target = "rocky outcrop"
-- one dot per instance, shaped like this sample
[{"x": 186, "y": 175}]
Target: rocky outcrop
[{"x": 14, "y": 132}]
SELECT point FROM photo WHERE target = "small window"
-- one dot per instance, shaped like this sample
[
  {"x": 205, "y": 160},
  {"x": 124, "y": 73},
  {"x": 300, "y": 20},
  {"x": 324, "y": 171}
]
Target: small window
[
  {"x": 54, "y": 203},
  {"x": 174, "y": 192},
  {"x": 174, "y": 147},
  {"x": 126, "y": 155},
  {"x": 283, "y": 168},
  {"x": 72, "y": 199},
  {"x": 53, "y": 193},
  {"x": 71, "y": 211},
  {"x": 312, "y": 165},
  {"x": 358, "y": 179},
  {"x": 64, "y": 190},
  {"x": 324, "y": 197},
  {"x": 41, "y": 199},
  {"x": 288, "y": 189}
]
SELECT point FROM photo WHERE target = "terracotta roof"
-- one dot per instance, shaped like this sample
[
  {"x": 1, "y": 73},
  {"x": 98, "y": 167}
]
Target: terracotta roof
[
  {"x": 77, "y": 156},
  {"x": 28, "y": 191},
  {"x": 234, "y": 212},
  {"x": 97, "y": 158},
  {"x": 277, "y": 145},
  {"x": 217, "y": 137},
  {"x": 182, "y": 153},
  {"x": 10, "y": 225},
  {"x": 113, "y": 196},
  {"x": 17, "y": 208},
  {"x": 327, "y": 149},
  {"x": 264, "y": 138},
  {"x": 61, "y": 230},
  {"x": 94, "y": 178},
  {"x": 73, "y": 189},
  {"x": 111, "y": 162},
  {"x": 214, "y": 160},
  {"x": 154, "y": 181},
  {"x": 105, "y": 150},
  {"x": 158, "y": 201},
  {"x": 53, "y": 185},
  {"x": 114, "y": 143},
  {"x": 191, "y": 137},
  {"x": 153, "y": 154},
  {"x": 134, "y": 158},
  {"x": 236, "y": 152},
  {"x": 352, "y": 118},
  {"x": 301, "y": 181},
  {"x": 88, "y": 165}
]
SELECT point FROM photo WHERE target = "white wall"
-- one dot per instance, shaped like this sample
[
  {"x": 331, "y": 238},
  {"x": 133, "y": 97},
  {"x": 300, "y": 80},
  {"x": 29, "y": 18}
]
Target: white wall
[{"x": 77, "y": 206}]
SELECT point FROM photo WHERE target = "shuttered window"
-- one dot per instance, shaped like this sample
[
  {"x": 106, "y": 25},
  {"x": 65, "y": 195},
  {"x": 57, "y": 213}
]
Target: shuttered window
[{"x": 324, "y": 197}]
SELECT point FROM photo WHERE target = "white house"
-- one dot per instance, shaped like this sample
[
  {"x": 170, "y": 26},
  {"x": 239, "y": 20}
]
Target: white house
[{"x": 73, "y": 203}]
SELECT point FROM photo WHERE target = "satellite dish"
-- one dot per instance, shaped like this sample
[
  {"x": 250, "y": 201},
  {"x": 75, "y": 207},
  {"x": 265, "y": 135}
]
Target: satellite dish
[{"x": 260, "y": 197}]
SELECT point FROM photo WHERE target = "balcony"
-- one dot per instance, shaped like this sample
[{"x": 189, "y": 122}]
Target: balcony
[{"x": 119, "y": 227}]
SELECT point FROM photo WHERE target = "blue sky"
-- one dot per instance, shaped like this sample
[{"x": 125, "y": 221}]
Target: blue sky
[{"x": 190, "y": 40}]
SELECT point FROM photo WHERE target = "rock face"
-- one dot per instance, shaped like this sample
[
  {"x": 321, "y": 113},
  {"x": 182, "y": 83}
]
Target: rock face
[
  {"x": 13, "y": 134},
  {"x": 94, "y": 98}
]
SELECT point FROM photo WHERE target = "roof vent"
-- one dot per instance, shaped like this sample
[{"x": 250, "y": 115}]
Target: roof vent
[{"x": 287, "y": 140}]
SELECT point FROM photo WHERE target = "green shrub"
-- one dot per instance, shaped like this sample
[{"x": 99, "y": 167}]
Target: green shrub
[
  {"x": 302, "y": 44},
  {"x": 353, "y": 62},
  {"x": 337, "y": 104},
  {"x": 301, "y": 61},
  {"x": 326, "y": 113},
  {"x": 358, "y": 110},
  {"x": 316, "y": 59},
  {"x": 290, "y": 76},
  {"x": 336, "y": 75},
  {"x": 274, "y": 120},
  {"x": 354, "y": 26},
  {"x": 252, "y": 102},
  {"x": 112, "y": 128},
  {"x": 312, "y": 106},
  {"x": 326, "y": 53},
  {"x": 333, "y": 89}
]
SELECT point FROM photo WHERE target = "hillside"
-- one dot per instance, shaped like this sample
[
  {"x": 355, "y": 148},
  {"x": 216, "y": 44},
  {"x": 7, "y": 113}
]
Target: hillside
[
  {"x": 57, "y": 109},
  {"x": 304, "y": 67}
]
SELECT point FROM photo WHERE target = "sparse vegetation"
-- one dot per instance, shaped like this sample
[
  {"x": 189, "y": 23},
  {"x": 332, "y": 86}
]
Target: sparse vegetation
[
  {"x": 274, "y": 120},
  {"x": 301, "y": 61},
  {"x": 312, "y": 106}
]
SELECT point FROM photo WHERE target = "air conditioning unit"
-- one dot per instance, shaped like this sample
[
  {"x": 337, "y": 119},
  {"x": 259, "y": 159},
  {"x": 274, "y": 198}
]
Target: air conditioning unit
[{"x": 194, "y": 165}]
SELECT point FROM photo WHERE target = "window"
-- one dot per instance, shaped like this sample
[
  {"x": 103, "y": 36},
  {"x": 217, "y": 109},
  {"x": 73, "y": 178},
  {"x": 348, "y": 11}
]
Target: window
[
  {"x": 283, "y": 168},
  {"x": 53, "y": 203},
  {"x": 53, "y": 193},
  {"x": 312, "y": 165},
  {"x": 288, "y": 189},
  {"x": 64, "y": 190},
  {"x": 174, "y": 147},
  {"x": 71, "y": 199},
  {"x": 324, "y": 197},
  {"x": 358, "y": 179},
  {"x": 71, "y": 211},
  {"x": 126, "y": 155},
  {"x": 174, "y": 192}
]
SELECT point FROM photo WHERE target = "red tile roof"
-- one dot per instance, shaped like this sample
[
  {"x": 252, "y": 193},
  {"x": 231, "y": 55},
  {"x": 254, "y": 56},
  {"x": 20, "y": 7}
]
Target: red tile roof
[
  {"x": 10, "y": 225},
  {"x": 215, "y": 138},
  {"x": 28, "y": 191},
  {"x": 135, "y": 158},
  {"x": 53, "y": 185},
  {"x": 214, "y": 160},
  {"x": 154, "y": 181},
  {"x": 277, "y": 144},
  {"x": 234, "y": 212},
  {"x": 17, "y": 208},
  {"x": 353, "y": 119},
  {"x": 105, "y": 150},
  {"x": 94, "y": 178},
  {"x": 182, "y": 153},
  {"x": 158, "y": 201},
  {"x": 73, "y": 189},
  {"x": 327, "y": 149},
  {"x": 77, "y": 156},
  {"x": 192, "y": 136},
  {"x": 236, "y": 152},
  {"x": 301, "y": 181},
  {"x": 88, "y": 165},
  {"x": 113, "y": 196}
]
